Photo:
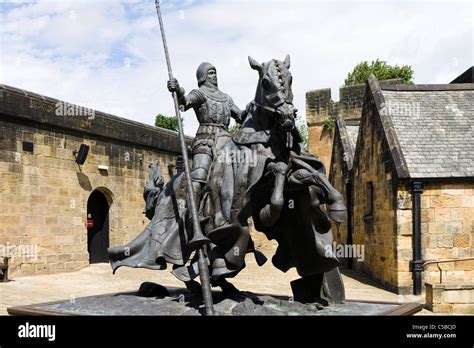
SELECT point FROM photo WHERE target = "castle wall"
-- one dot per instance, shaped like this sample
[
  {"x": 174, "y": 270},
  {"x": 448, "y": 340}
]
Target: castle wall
[{"x": 44, "y": 193}]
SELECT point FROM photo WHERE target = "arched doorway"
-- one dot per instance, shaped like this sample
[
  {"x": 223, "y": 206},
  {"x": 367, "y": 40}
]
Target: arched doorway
[{"x": 97, "y": 227}]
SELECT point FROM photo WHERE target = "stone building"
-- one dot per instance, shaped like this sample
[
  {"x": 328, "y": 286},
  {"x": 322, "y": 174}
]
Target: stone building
[
  {"x": 409, "y": 182},
  {"x": 340, "y": 173},
  {"x": 321, "y": 110},
  {"x": 57, "y": 215}
]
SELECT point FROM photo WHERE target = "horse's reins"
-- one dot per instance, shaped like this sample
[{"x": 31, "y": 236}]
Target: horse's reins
[
  {"x": 267, "y": 108},
  {"x": 289, "y": 136}
]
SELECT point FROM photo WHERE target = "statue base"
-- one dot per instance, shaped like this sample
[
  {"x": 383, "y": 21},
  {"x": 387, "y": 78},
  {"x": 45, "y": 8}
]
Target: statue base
[{"x": 178, "y": 301}]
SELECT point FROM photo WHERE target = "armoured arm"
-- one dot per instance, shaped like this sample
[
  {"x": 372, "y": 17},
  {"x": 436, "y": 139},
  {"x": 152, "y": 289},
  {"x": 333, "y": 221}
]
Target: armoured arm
[
  {"x": 237, "y": 114},
  {"x": 193, "y": 99}
]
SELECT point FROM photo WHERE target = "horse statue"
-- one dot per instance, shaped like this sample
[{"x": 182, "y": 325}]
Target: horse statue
[{"x": 261, "y": 172}]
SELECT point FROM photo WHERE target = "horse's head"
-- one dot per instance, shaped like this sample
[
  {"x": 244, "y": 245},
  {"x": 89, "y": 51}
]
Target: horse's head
[{"x": 274, "y": 93}]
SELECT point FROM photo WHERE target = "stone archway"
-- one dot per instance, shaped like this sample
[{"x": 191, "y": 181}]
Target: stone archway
[{"x": 98, "y": 228}]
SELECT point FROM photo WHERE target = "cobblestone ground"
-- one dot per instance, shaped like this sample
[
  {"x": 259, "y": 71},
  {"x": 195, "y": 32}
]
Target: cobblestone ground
[{"x": 98, "y": 279}]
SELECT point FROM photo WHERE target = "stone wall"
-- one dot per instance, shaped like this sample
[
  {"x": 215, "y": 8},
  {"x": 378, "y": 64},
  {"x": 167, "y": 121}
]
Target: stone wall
[
  {"x": 44, "y": 193},
  {"x": 378, "y": 231},
  {"x": 320, "y": 106},
  {"x": 447, "y": 230},
  {"x": 320, "y": 141},
  {"x": 338, "y": 180},
  {"x": 450, "y": 298},
  {"x": 404, "y": 234},
  {"x": 447, "y": 222}
]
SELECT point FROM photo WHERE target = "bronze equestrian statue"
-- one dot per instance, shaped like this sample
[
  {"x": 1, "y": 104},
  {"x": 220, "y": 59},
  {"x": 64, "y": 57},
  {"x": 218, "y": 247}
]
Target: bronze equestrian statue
[{"x": 280, "y": 186}]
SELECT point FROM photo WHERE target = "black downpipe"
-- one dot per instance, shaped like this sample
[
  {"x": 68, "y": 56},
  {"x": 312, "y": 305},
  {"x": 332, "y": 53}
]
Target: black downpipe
[{"x": 416, "y": 265}]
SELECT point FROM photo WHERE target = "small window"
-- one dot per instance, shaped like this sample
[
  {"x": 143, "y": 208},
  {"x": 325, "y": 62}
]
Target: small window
[
  {"x": 369, "y": 202},
  {"x": 28, "y": 146}
]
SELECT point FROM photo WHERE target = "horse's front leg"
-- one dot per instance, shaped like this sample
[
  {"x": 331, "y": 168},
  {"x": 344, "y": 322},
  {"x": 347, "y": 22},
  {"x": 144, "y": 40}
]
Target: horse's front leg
[
  {"x": 271, "y": 212},
  {"x": 307, "y": 177}
]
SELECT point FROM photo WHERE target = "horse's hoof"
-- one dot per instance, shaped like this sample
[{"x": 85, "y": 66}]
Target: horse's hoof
[
  {"x": 194, "y": 287},
  {"x": 321, "y": 301},
  {"x": 314, "y": 307},
  {"x": 228, "y": 289}
]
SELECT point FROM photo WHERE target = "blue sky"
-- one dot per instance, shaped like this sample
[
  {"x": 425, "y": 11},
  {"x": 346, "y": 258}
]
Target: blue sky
[{"x": 107, "y": 54}]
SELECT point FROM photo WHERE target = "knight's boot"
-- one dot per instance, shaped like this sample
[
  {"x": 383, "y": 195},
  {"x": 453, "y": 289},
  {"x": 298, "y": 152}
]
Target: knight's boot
[
  {"x": 336, "y": 208},
  {"x": 197, "y": 188}
]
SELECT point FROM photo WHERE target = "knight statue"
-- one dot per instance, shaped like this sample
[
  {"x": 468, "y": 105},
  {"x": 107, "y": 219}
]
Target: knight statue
[{"x": 213, "y": 109}]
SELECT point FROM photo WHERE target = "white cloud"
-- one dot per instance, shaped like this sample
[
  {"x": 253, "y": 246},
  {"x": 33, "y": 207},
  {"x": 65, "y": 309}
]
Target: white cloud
[{"x": 108, "y": 54}]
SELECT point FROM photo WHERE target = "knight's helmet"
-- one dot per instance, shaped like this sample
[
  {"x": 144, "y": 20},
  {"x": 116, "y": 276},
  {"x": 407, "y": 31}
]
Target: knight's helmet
[{"x": 201, "y": 73}]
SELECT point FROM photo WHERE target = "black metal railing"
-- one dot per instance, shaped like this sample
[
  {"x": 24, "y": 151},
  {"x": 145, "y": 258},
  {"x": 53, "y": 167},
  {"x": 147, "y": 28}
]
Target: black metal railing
[{"x": 437, "y": 262}]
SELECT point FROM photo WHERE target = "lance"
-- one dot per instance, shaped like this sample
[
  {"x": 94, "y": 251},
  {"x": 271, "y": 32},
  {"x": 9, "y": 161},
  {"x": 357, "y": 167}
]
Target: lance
[{"x": 202, "y": 261}]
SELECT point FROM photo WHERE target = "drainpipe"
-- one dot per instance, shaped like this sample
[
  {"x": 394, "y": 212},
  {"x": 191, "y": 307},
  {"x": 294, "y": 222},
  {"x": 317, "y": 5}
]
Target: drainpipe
[{"x": 416, "y": 265}]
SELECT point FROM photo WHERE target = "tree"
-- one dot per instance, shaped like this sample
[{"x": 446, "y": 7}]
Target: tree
[
  {"x": 168, "y": 122},
  {"x": 234, "y": 128},
  {"x": 303, "y": 128},
  {"x": 381, "y": 70}
]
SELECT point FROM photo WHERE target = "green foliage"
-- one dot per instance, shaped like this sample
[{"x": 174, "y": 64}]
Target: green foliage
[
  {"x": 329, "y": 123},
  {"x": 234, "y": 128},
  {"x": 303, "y": 129},
  {"x": 168, "y": 122},
  {"x": 381, "y": 70}
]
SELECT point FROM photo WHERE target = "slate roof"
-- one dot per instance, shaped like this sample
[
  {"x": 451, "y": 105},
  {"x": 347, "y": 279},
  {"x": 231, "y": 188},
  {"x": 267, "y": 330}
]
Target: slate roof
[
  {"x": 346, "y": 133},
  {"x": 465, "y": 77},
  {"x": 431, "y": 128}
]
